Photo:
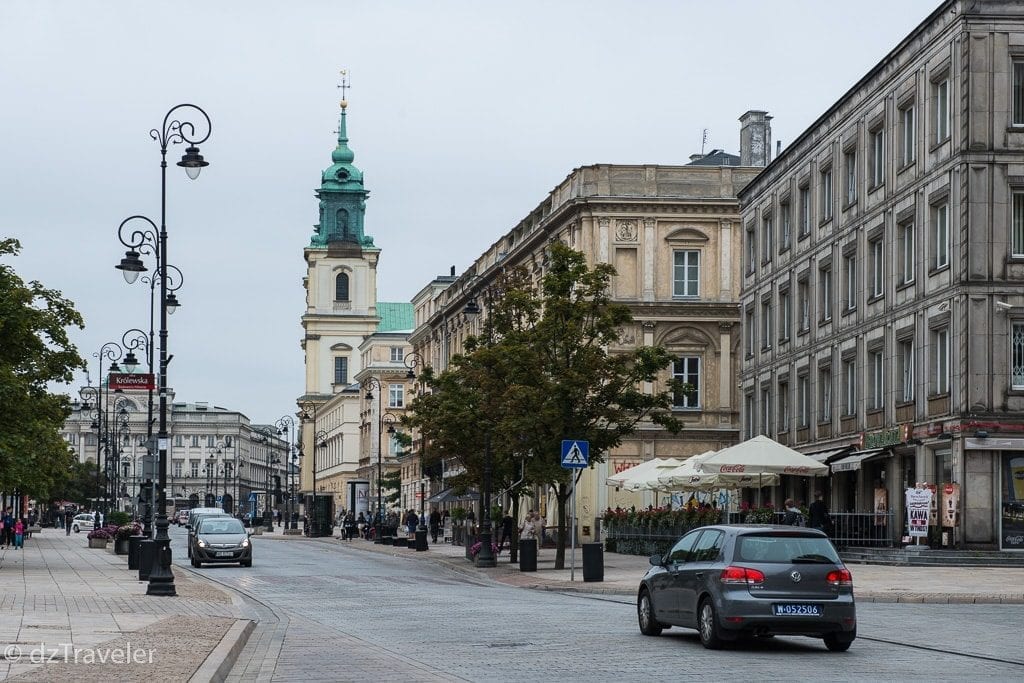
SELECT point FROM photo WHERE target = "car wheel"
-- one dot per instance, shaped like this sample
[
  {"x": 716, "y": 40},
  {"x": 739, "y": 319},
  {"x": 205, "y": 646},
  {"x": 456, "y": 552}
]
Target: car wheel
[
  {"x": 707, "y": 624},
  {"x": 836, "y": 644},
  {"x": 75, "y": 528},
  {"x": 649, "y": 626}
]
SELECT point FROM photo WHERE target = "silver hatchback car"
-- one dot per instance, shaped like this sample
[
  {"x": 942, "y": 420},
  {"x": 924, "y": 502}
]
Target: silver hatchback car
[{"x": 730, "y": 581}]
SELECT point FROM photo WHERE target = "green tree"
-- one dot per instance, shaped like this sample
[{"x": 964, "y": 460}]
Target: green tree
[
  {"x": 548, "y": 366},
  {"x": 34, "y": 351}
]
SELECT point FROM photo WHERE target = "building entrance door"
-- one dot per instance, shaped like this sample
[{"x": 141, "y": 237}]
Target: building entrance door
[{"x": 1012, "y": 523}]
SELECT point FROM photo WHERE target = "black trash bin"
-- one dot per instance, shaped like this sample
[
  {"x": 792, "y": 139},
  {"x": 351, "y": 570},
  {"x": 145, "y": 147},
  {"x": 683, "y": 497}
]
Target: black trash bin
[
  {"x": 593, "y": 562},
  {"x": 134, "y": 551},
  {"x": 421, "y": 540},
  {"x": 147, "y": 553},
  {"x": 528, "y": 555}
]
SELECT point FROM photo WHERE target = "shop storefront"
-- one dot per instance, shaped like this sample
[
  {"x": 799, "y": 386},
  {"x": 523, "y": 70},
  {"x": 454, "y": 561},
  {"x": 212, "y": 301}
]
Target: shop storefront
[{"x": 1012, "y": 501}]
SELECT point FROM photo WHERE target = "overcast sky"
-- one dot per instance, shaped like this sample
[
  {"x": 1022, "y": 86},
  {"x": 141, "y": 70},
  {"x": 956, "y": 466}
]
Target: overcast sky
[{"x": 462, "y": 115}]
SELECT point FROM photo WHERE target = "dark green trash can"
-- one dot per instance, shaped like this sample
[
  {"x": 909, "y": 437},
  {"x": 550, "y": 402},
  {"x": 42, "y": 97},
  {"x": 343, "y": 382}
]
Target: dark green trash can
[
  {"x": 528, "y": 555},
  {"x": 593, "y": 562},
  {"x": 134, "y": 551}
]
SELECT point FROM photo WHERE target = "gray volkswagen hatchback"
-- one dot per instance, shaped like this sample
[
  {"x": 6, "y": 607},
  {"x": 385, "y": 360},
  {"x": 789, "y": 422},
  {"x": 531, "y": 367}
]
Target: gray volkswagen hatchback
[{"x": 730, "y": 581}]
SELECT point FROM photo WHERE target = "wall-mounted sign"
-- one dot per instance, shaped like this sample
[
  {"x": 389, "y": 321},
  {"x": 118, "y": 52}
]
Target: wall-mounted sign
[{"x": 130, "y": 380}]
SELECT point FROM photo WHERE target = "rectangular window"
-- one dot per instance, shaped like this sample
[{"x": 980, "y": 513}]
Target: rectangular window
[
  {"x": 805, "y": 211},
  {"x": 878, "y": 157},
  {"x": 194, "y": 467},
  {"x": 1018, "y": 223},
  {"x": 941, "y": 110},
  {"x": 1017, "y": 351},
  {"x": 686, "y": 273},
  {"x": 195, "y": 441},
  {"x": 178, "y": 440},
  {"x": 766, "y": 239},
  {"x": 687, "y": 370},
  {"x": 1018, "y": 93},
  {"x": 825, "y": 394},
  {"x": 877, "y": 364},
  {"x": 803, "y": 400},
  {"x": 850, "y": 167},
  {"x": 766, "y": 324},
  {"x": 766, "y": 411},
  {"x": 785, "y": 315},
  {"x": 785, "y": 226},
  {"x": 849, "y": 387},
  {"x": 210, "y": 441},
  {"x": 397, "y": 354},
  {"x": 826, "y": 194},
  {"x": 907, "y": 253},
  {"x": 748, "y": 413},
  {"x": 907, "y": 132},
  {"x": 906, "y": 360},
  {"x": 751, "y": 250},
  {"x": 877, "y": 267},
  {"x": 396, "y": 396},
  {"x": 341, "y": 370},
  {"x": 803, "y": 292},
  {"x": 783, "y": 407},
  {"x": 940, "y": 235},
  {"x": 940, "y": 364},
  {"x": 825, "y": 290},
  {"x": 177, "y": 469},
  {"x": 749, "y": 331},
  {"x": 850, "y": 277}
]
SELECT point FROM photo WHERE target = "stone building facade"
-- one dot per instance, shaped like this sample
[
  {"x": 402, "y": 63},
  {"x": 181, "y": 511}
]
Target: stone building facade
[{"x": 883, "y": 263}]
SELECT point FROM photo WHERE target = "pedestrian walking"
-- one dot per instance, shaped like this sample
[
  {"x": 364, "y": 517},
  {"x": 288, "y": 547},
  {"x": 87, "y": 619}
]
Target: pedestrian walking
[
  {"x": 411, "y": 520},
  {"x": 8, "y": 528},
  {"x": 435, "y": 524},
  {"x": 69, "y": 517},
  {"x": 793, "y": 516},
  {"x": 508, "y": 532},
  {"x": 538, "y": 525},
  {"x": 818, "y": 511},
  {"x": 19, "y": 534}
]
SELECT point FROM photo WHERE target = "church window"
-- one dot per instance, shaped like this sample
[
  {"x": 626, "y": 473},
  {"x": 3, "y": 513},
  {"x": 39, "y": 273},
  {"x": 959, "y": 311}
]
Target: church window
[
  {"x": 341, "y": 370},
  {"x": 341, "y": 287}
]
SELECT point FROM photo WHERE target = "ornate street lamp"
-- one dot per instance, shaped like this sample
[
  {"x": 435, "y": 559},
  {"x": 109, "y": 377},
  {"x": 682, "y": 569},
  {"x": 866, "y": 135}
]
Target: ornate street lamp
[
  {"x": 286, "y": 428},
  {"x": 485, "y": 558}
]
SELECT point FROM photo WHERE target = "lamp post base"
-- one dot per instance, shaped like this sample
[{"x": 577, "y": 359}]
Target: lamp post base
[
  {"x": 485, "y": 558},
  {"x": 161, "y": 579}
]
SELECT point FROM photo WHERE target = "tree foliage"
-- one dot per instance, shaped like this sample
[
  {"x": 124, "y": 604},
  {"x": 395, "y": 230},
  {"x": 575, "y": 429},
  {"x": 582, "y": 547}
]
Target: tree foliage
[
  {"x": 34, "y": 351},
  {"x": 547, "y": 366}
]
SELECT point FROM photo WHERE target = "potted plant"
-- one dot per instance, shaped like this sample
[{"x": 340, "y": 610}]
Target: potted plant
[
  {"x": 98, "y": 538},
  {"x": 121, "y": 536}
]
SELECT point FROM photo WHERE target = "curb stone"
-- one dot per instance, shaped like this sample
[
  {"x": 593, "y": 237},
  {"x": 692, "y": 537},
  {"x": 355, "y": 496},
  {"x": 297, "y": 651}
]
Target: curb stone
[{"x": 218, "y": 664}]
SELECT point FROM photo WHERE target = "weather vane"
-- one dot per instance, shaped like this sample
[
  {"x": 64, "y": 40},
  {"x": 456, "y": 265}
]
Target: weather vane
[{"x": 344, "y": 86}]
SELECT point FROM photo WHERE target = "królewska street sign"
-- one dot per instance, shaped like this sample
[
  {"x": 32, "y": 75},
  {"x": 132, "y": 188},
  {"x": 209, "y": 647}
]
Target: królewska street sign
[{"x": 575, "y": 454}]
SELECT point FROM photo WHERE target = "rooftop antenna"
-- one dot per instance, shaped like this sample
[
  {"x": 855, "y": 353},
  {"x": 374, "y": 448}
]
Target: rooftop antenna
[{"x": 703, "y": 142}]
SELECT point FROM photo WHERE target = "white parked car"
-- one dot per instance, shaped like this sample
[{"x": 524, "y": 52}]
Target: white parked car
[{"x": 83, "y": 522}]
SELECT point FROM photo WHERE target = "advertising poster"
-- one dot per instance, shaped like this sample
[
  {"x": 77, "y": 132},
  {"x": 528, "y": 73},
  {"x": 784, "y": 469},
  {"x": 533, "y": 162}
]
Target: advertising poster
[
  {"x": 881, "y": 507},
  {"x": 1013, "y": 502},
  {"x": 950, "y": 505},
  {"x": 919, "y": 505},
  {"x": 359, "y": 497}
]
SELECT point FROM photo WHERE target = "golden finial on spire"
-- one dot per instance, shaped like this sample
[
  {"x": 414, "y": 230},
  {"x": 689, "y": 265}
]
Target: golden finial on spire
[{"x": 344, "y": 86}]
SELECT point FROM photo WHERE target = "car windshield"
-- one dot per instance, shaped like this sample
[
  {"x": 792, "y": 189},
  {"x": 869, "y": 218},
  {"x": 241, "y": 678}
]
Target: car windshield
[
  {"x": 788, "y": 549},
  {"x": 221, "y": 526}
]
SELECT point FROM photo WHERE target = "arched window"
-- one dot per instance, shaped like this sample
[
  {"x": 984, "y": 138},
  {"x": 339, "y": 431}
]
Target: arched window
[{"x": 341, "y": 287}]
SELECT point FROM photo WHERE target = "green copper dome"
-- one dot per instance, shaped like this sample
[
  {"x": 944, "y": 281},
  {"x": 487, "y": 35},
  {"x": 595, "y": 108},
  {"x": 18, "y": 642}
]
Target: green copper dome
[{"x": 342, "y": 196}]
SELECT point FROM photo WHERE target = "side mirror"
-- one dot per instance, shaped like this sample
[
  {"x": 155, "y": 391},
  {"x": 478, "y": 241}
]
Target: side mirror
[{"x": 657, "y": 560}]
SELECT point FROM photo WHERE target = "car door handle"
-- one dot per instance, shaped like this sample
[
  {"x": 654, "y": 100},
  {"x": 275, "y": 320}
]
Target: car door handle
[{"x": 700, "y": 575}]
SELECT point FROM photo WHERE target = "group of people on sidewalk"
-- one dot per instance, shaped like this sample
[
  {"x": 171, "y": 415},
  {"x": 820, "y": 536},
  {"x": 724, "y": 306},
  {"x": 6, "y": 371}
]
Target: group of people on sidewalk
[{"x": 12, "y": 530}]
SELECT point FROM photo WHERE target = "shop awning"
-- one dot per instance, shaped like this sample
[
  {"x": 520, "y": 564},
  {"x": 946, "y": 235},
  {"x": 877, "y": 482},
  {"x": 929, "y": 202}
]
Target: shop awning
[
  {"x": 852, "y": 462},
  {"x": 825, "y": 456},
  {"x": 450, "y": 496}
]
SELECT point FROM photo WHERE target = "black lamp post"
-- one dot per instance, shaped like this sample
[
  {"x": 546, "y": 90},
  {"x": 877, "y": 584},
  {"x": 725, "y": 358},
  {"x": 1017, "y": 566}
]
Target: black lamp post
[
  {"x": 172, "y": 132},
  {"x": 412, "y": 361},
  {"x": 485, "y": 558},
  {"x": 373, "y": 383},
  {"x": 286, "y": 428},
  {"x": 133, "y": 340},
  {"x": 111, "y": 351}
]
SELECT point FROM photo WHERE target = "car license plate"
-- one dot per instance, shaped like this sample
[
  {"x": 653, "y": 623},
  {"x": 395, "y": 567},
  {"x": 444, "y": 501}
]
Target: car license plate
[
  {"x": 796, "y": 610},
  {"x": 225, "y": 554}
]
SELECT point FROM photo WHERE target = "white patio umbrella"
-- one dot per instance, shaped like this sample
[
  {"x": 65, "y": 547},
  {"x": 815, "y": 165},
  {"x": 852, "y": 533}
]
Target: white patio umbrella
[
  {"x": 760, "y": 456},
  {"x": 689, "y": 477},
  {"x": 643, "y": 477}
]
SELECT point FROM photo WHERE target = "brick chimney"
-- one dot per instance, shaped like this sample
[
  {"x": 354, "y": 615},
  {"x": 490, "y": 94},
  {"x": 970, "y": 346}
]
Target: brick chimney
[{"x": 755, "y": 138}]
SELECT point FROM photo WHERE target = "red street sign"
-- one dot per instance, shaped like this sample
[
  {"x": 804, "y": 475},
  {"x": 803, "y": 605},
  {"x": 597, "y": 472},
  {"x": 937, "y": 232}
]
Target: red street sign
[{"x": 130, "y": 380}]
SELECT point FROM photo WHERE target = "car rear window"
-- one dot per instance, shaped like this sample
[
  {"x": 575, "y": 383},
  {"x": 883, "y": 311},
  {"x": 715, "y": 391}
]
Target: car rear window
[
  {"x": 785, "y": 549},
  {"x": 221, "y": 526}
]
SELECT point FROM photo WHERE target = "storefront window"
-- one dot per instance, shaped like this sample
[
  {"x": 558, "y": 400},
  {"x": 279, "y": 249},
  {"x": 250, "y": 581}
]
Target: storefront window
[{"x": 1013, "y": 501}]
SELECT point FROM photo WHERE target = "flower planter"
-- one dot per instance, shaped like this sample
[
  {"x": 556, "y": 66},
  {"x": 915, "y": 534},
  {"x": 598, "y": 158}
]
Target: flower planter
[
  {"x": 121, "y": 546},
  {"x": 98, "y": 543}
]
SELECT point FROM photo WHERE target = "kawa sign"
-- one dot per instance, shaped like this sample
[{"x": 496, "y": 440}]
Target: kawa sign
[{"x": 130, "y": 380}]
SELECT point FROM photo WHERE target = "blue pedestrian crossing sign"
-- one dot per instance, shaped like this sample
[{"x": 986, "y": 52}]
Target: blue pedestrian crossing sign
[
  {"x": 252, "y": 497},
  {"x": 575, "y": 454}
]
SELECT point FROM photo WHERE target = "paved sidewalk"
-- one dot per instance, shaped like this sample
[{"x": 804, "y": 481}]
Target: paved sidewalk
[
  {"x": 68, "y": 612},
  {"x": 622, "y": 573}
]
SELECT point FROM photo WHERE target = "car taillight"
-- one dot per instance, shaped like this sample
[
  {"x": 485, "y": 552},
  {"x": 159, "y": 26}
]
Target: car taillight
[
  {"x": 839, "y": 577},
  {"x": 751, "y": 577}
]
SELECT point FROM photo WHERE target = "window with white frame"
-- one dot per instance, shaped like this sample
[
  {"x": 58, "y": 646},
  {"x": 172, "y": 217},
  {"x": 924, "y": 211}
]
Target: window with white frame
[
  {"x": 177, "y": 469},
  {"x": 908, "y": 149},
  {"x": 396, "y": 396},
  {"x": 686, "y": 273},
  {"x": 805, "y": 210},
  {"x": 785, "y": 314},
  {"x": 766, "y": 237},
  {"x": 803, "y": 295},
  {"x": 748, "y": 412},
  {"x": 803, "y": 398},
  {"x": 940, "y": 235},
  {"x": 178, "y": 440},
  {"x": 397, "y": 354},
  {"x": 686, "y": 369},
  {"x": 877, "y": 248},
  {"x": 341, "y": 370},
  {"x": 940, "y": 360},
  {"x": 907, "y": 254},
  {"x": 766, "y": 411},
  {"x": 849, "y": 387},
  {"x": 878, "y": 157},
  {"x": 1017, "y": 353},
  {"x": 850, "y": 169},
  {"x": 783, "y": 411},
  {"x": 876, "y": 365},
  {"x": 1017, "y": 223},
  {"x": 394, "y": 445},
  {"x": 905, "y": 349},
  {"x": 195, "y": 441},
  {"x": 825, "y": 394},
  {"x": 766, "y": 324},
  {"x": 826, "y": 193},
  {"x": 751, "y": 249},
  {"x": 1018, "y": 93},
  {"x": 749, "y": 330},
  {"x": 211, "y": 441},
  {"x": 941, "y": 110},
  {"x": 825, "y": 292},
  {"x": 850, "y": 279},
  {"x": 194, "y": 468},
  {"x": 785, "y": 226}
]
